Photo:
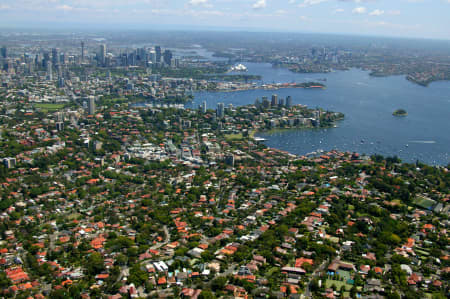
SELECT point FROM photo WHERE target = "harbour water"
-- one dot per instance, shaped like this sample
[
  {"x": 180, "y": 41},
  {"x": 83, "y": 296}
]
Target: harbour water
[{"x": 367, "y": 102}]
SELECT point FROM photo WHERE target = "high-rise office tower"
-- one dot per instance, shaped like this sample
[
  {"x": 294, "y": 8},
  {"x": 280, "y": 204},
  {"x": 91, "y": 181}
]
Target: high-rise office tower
[
  {"x": 4, "y": 52},
  {"x": 220, "y": 110},
  {"x": 152, "y": 56},
  {"x": 168, "y": 57},
  {"x": 142, "y": 54},
  {"x": 274, "y": 100},
  {"x": 289, "y": 102},
  {"x": 91, "y": 105},
  {"x": 102, "y": 54},
  {"x": 55, "y": 56},
  {"x": 46, "y": 59},
  {"x": 176, "y": 62},
  {"x": 158, "y": 53},
  {"x": 49, "y": 71},
  {"x": 82, "y": 52},
  {"x": 62, "y": 59}
]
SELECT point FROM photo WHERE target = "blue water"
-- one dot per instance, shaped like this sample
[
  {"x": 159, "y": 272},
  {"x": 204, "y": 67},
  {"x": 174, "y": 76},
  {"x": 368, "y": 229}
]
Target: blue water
[{"x": 368, "y": 103}]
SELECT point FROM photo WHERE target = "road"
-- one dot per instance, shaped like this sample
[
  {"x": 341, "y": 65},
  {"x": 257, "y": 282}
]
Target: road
[
  {"x": 315, "y": 274},
  {"x": 227, "y": 272},
  {"x": 166, "y": 241},
  {"x": 53, "y": 238}
]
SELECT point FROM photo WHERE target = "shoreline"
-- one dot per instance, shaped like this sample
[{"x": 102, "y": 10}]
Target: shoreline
[
  {"x": 323, "y": 150},
  {"x": 261, "y": 88}
]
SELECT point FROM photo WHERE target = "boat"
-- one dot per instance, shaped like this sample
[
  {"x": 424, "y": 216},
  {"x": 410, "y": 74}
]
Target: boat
[{"x": 259, "y": 139}]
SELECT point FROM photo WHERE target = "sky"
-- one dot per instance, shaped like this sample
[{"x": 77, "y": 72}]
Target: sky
[{"x": 399, "y": 18}]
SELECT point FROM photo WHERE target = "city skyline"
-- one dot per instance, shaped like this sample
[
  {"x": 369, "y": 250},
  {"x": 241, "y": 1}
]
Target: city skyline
[{"x": 404, "y": 18}]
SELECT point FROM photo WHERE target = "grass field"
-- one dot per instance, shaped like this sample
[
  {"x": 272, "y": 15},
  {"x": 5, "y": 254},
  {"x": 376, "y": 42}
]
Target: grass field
[
  {"x": 73, "y": 216},
  {"x": 338, "y": 284},
  {"x": 233, "y": 137},
  {"x": 271, "y": 271},
  {"x": 49, "y": 106}
]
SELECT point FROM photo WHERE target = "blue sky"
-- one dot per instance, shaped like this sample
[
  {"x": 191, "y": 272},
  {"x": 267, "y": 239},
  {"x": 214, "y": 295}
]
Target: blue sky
[{"x": 406, "y": 18}]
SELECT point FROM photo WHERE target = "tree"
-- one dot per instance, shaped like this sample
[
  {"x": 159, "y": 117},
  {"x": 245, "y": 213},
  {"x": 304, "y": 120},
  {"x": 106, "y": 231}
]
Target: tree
[
  {"x": 95, "y": 263},
  {"x": 206, "y": 294},
  {"x": 4, "y": 281},
  {"x": 314, "y": 285},
  {"x": 137, "y": 275},
  {"x": 438, "y": 296},
  {"x": 218, "y": 283},
  {"x": 121, "y": 259}
]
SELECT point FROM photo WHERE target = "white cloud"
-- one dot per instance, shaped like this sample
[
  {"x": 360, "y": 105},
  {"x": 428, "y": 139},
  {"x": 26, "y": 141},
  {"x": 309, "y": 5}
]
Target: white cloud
[
  {"x": 260, "y": 4},
  {"x": 376, "y": 12},
  {"x": 339, "y": 10},
  {"x": 359, "y": 10},
  {"x": 311, "y": 2},
  {"x": 198, "y": 2}
]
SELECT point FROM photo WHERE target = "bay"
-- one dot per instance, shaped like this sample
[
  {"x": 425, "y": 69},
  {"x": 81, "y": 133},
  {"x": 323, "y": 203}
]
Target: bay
[{"x": 367, "y": 102}]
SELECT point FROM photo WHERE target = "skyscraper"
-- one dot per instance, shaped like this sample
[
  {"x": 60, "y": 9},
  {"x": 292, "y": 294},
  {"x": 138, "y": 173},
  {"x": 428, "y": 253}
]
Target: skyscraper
[
  {"x": 91, "y": 105},
  {"x": 46, "y": 59},
  {"x": 49, "y": 71},
  {"x": 4, "y": 52},
  {"x": 158, "y": 53},
  {"x": 142, "y": 54},
  {"x": 62, "y": 58},
  {"x": 152, "y": 56},
  {"x": 82, "y": 52},
  {"x": 102, "y": 54},
  {"x": 274, "y": 100},
  {"x": 220, "y": 110},
  {"x": 204, "y": 107},
  {"x": 55, "y": 56},
  {"x": 168, "y": 57},
  {"x": 289, "y": 102}
]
